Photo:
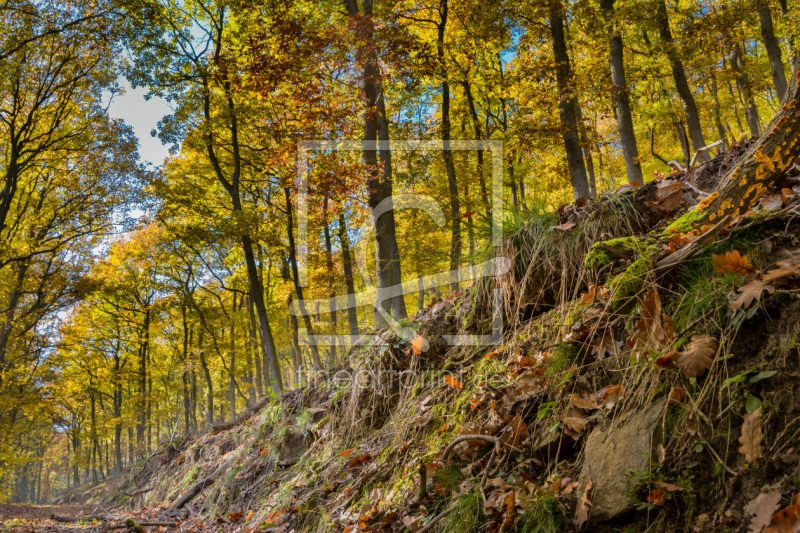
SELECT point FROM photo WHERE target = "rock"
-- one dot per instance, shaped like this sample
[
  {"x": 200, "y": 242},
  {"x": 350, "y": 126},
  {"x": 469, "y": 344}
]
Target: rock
[
  {"x": 612, "y": 451},
  {"x": 293, "y": 446}
]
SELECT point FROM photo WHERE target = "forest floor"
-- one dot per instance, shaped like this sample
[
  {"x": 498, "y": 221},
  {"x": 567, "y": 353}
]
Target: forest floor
[{"x": 630, "y": 392}]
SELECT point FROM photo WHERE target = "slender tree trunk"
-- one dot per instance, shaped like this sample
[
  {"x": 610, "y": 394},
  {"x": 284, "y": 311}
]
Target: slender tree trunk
[
  {"x": 743, "y": 82},
  {"x": 379, "y": 183},
  {"x": 789, "y": 34},
  {"x": 209, "y": 383},
  {"x": 297, "y": 357},
  {"x": 567, "y": 104},
  {"x": 773, "y": 48},
  {"x": 296, "y": 277},
  {"x": 347, "y": 262},
  {"x": 717, "y": 116},
  {"x": 253, "y": 344},
  {"x": 232, "y": 372},
  {"x": 332, "y": 358},
  {"x": 187, "y": 422},
  {"x": 683, "y": 140},
  {"x": 627, "y": 134},
  {"x": 476, "y": 124},
  {"x": 681, "y": 83}
]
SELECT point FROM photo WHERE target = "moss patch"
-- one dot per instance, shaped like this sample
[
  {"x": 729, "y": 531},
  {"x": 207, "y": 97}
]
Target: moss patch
[
  {"x": 684, "y": 224},
  {"x": 598, "y": 256},
  {"x": 625, "y": 287}
]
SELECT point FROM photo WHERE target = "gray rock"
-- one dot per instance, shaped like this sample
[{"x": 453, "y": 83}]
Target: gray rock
[
  {"x": 614, "y": 449},
  {"x": 293, "y": 446}
]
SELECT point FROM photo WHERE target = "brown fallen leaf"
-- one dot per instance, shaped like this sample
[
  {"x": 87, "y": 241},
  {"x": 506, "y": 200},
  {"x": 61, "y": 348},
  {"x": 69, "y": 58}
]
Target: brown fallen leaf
[
  {"x": 692, "y": 427},
  {"x": 771, "y": 201},
  {"x": 574, "y": 422},
  {"x": 786, "y": 521},
  {"x": 751, "y": 436},
  {"x": 732, "y": 262},
  {"x": 783, "y": 271},
  {"x": 669, "y": 203},
  {"x": 654, "y": 329},
  {"x": 566, "y": 226},
  {"x": 666, "y": 187},
  {"x": 662, "y": 453},
  {"x": 608, "y": 396},
  {"x": 604, "y": 344},
  {"x": 762, "y": 507},
  {"x": 698, "y": 355},
  {"x": 584, "y": 506},
  {"x": 751, "y": 292},
  {"x": 518, "y": 430},
  {"x": 583, "y": 402}
]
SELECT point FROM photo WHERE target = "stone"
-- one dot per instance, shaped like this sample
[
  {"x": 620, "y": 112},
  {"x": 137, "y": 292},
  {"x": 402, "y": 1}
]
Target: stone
[
  {"x": 612, "y": 451},
  {"x": 294, "y": 444}
]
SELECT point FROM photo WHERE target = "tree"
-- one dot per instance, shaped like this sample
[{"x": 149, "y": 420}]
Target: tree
[
  {"x": 621, "y": 98},
  {"x": 679, "y": 75},
  {"x": 567, "y": 103}
]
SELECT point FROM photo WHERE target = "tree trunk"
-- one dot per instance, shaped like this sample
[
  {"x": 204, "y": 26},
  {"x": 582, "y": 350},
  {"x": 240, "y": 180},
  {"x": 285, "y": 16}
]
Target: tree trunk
[
  {"x": 298, "y": 288},
  {"x": 379, "y": 182},
  {"x": 765, "y": 161},
  {"x": 450, "y": 168},
  {"x": 476, "y": 124},
  {"x": 773, "y": 48},
  {"x": 297, "y": 357},
  {"x": 347, "y": 262},
  {"x": 567, "y": 103},
  {"x": 717, "y": 115},
  {"x": 622, "y": 102},
  {"x": 681, "y": 83},
  {"x": 332, "y": 358},
  {"x": 187, "y": 422},
  {"x": 743, "y": 82},
  {"x": 789, "y": 34},
  {"x": 209, "y": 383},
  {"x": 232, "y": 371}
]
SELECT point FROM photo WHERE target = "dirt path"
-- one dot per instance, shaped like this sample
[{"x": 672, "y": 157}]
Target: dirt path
[{"x": 39, "y": 512}]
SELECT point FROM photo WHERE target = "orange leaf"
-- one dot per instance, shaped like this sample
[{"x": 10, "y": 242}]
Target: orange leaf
[
  {"x": 732, "y": 262},
  {"x": 453, "y": 382},
  {"x": 417, "y": 344},
  {"x": 347, "y": 453},
  {"x": 249, "y": 516},
  {"x": 658, "y": 497}
]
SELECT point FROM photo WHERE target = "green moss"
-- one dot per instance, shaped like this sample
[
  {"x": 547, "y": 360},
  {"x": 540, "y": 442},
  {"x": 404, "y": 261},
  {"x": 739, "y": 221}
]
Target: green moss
[
  {"x": 684, "y": 224},
  {"x": 598, "y": 256},
  {"x": 192, "y": 475},
  {"x": 626, "y": 286}
]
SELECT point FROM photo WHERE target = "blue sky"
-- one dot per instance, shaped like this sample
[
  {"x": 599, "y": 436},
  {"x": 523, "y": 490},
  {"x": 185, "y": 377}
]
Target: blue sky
[{"x": 143, "y": 115}]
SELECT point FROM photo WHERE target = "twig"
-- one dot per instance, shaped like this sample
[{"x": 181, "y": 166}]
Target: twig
[
  {"x": 137, "y": 492},
  {"x": 778, "y": 438},
  {"x": 314, "y": 446},
  {"x": 497, "y": 441},
  {"x": 435, "y": 519},
  {"x": 704, "y": 149},
  {"x": 486, "y": 473}
]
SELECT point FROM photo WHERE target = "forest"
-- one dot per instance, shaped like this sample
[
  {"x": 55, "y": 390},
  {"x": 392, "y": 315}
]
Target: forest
[{"x": 460, "y": 188}]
